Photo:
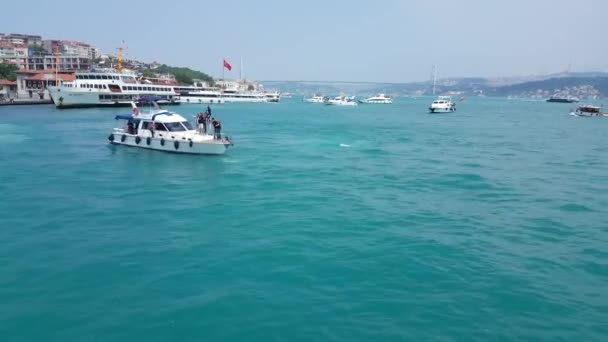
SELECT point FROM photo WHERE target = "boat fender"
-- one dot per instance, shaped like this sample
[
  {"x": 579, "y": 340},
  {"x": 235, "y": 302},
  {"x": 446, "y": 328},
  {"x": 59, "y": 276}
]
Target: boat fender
[
  {"x": 148, "y": 141},
  {"x": 176, "y": 144},
  {"x": 111, "y": 137},
  {"x": 137, "y": 140},
  {"x": 190, "y": 144},
  {"x": 123, "y": 138},
  {"x": 162, "y": 141}
]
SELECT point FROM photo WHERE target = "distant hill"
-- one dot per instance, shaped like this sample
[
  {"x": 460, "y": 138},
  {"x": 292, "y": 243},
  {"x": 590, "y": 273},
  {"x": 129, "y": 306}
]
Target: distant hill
[{"x": 581, "y": 85}]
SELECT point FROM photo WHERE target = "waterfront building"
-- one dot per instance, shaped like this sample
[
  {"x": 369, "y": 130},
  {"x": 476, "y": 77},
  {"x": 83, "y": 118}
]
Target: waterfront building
[
  {"x": 34, "y": 84},
  {"x": 8, "y": 90}
]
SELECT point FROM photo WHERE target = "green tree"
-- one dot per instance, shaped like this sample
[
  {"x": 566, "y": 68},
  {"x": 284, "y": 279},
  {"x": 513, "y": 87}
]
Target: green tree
[
  {"x": 184, "y": 75},
  {"x": 8, "y": 71}
]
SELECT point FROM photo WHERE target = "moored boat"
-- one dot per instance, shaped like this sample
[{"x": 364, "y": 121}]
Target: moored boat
[
  {"x": 378, "y": 99},
  {"x": 443, "y": 104},
  {"x": 317, "y": 99},
  {"x": 342, "y": 101},
  {"x": 108, "y": 89},
  {"x": 162, "y": 130},
  {"x": 589, "y": 111}
]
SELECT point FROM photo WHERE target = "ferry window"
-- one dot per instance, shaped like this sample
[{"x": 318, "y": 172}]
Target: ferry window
[
  {"x": 139, "y": 88},
  {"x": 159, "y": 127},
  {"x": 97, "y": 77},
  {"x": 187, "y": 125},
  {"x": 105, "y": 77},
  {"x": 174, "y": 127}
]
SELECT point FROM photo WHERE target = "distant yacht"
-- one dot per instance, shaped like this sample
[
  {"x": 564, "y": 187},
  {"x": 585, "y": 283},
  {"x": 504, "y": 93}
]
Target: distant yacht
[
  {"x": 342, "y": 101},
  {"x": 562, "y": 99},
  {"x": 380, "y": 98},
  {"x": 443, "y": 104},
  {"x": 317, "y": 99}
]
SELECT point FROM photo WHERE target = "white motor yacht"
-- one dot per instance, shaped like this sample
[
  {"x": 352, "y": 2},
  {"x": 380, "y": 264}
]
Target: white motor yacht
[
  {"x": 342, "y": 101},
  {"x": 317, "y": 99},
  {"x": 380, "y": 98},
  {"x": 273, "y": 96},
  {"x": 443, "y": 104},
  {"x": 162, "y": 130}
]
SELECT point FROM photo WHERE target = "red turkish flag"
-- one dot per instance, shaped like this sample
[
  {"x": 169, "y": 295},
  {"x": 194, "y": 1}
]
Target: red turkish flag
[{"x": 227, "y": 65}]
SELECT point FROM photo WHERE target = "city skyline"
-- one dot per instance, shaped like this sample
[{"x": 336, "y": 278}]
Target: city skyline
[{"x": 315, "y": 41}]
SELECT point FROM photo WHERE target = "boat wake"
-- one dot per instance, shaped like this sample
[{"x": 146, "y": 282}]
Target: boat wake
[{"x": 344, "y": 145}]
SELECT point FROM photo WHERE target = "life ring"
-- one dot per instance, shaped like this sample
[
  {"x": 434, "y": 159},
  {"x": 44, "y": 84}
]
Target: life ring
[
  {"x": 123, "y": 138},
  {"x": 111, "y": 137},
  {"x": 176, "y": 145},
  {"x": 162, "y": 141},
  {"x": 148, "y": 140},
  {"x": 190, "y": 143},
  {"x": 137, "y": 140}
]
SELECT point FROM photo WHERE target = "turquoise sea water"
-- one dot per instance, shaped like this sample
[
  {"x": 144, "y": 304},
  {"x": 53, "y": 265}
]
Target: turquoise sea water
[{"x": 374, "y": 223}]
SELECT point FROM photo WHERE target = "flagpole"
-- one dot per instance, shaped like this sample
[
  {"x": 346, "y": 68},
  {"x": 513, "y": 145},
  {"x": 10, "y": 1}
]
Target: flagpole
[{"x": 223, "y": 59}]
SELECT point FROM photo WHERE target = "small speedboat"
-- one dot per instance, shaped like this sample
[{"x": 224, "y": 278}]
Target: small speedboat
[
  {"x": 380, "y": 99},
  {"x": 162, "y": 130},
  {"x": 589, "y": 111},
  {"x": 317, "y": 99},
  {"x": 342, "y": 101},
  {"x": 443, "y": 104}
]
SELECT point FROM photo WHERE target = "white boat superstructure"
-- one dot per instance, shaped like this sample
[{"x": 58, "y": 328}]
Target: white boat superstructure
[
  {"x": 342, "y": 101},
  {"x": 234, "y": 95},
  {"x": 99, "y": 89},
  {"x": 162, "y": 130},
  {"x": 194, "y": 94},
  {"x": 273, "y": 96},
  {"x": 443, "y": 104},
  {"x": 317, "y": 99},
  {"x": 380, "y": 99}
]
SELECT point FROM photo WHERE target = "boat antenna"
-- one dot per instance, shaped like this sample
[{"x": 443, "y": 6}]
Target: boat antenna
[{"x": 434, "y": 78}]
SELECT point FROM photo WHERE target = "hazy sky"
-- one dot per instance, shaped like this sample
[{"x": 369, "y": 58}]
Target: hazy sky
[{"x": 392, "y": 41}]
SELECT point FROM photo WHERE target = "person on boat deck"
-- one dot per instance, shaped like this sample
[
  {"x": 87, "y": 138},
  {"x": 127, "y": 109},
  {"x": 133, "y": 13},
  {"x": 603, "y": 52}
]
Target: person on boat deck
[
  {"x": 217, "y": 129},
  {"x": 208, "y": 110},
  {"x": 202, "y": 123},
  {"x": 151, "y": 128},
  {"x": 130, "y": 128}
]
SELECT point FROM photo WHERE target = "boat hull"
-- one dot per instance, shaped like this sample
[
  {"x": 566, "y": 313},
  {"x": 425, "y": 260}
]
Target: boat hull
[
  {"x": 438, "y": 110},
  {"x": 183, "y": 146},
  {"x": 64, "y": 97},
  {"x": 196, "y": 99}
]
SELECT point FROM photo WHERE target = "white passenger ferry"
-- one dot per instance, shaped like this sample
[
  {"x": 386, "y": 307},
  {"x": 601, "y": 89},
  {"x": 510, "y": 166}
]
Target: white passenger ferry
[
  {"x": 195, "y": 94},
  {"x": 100, "y": 89},
  {"x": 167, "y": 131},
  {"x": 234, "y": 95}
]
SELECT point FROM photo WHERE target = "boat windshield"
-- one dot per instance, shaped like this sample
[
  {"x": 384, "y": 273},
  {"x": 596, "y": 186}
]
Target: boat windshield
[
  {"x": 174, "y": 126},
  {"x": 187, "y": 125}
]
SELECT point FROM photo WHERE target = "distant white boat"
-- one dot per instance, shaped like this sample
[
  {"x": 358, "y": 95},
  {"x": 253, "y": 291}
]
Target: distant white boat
[
  {"x": 443, "y": 104},
  {"x": 589, "y": 111},
  {"x": 342, "y": 101},
  {"x": 380, "y": 99},
  {"x": 317, "y": 99}
]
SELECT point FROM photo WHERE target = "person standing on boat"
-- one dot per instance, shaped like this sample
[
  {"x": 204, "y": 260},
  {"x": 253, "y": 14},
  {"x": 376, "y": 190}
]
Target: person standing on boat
[
  {"x": 202, "y": 123},
  {"x": 151, "y": 128},
  {"x": 216, "y": 128}
]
